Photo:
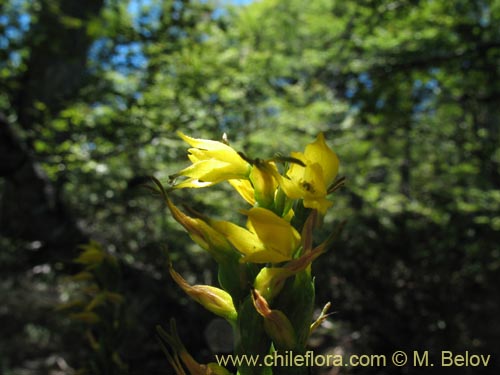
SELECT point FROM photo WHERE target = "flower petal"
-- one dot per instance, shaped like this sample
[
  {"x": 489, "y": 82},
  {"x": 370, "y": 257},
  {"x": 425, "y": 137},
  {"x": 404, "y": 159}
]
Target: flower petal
[
  {"x": 277, "y": 234},
  {"x": 265, "y": 256},
  {"x": 243, "y": 240},
  {"x": 212, "y": 162},
  {"x": 319, "y": 152},
  {"x": 204, "y": 144},
  {"x": 244, "y": 188},
  {"x": 264, "y": 182},
  {"x": 212, "y": 170}
]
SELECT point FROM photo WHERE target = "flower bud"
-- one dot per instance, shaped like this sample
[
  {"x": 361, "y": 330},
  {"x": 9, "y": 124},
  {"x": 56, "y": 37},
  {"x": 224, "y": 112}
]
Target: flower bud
[
  {"x": 202, "y": 233},
  {"x": 213, "y": 299},
  {"x": 276, "y": 324}
]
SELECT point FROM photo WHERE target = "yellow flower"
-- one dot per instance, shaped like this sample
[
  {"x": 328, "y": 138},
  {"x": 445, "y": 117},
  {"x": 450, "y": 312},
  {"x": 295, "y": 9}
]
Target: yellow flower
[
  {"x": 213, "y": 162},
  {"x": 311, "y": 180},
  {"x": 268, "y": 239}
]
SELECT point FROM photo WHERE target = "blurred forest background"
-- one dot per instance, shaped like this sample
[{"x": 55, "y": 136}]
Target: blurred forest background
[{"x": 92, "y": 92}]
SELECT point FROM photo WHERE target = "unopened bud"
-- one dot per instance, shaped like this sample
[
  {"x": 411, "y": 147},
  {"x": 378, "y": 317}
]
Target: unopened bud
[
  {"x": 276, "y": 324},
  {"x": 213, "y": 299},
  {"x": 202, "y": 233}
]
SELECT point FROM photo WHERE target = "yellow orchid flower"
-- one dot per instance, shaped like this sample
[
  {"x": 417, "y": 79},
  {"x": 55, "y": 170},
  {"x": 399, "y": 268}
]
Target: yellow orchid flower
[
  {"x": 268, "y": 239},
  {"x": 213, "y": 162},
  {"x": 311, "y": 180}
]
